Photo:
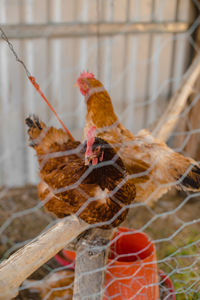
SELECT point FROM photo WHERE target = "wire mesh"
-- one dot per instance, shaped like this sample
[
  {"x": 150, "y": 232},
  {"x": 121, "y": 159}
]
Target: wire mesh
[{"x": 141, "y": 70}]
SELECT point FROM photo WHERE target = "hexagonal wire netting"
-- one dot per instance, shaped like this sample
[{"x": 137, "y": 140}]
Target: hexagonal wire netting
[{"x": 143, "y": 52}]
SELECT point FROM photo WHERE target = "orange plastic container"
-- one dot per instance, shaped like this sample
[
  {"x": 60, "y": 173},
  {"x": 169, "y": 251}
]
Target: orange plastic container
[
  {"x": 132, "y": 267},
  {"x": 70, "y": 255}
]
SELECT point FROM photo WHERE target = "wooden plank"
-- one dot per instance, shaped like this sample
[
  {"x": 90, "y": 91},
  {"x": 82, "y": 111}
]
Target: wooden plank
[
  {"x": 118, "y": 71},
  {"x": 106, "y": 46},
  {"x": 11, "y": 108},
  {"x": 165, "y": 10},
  {"x": 137, "y": 62},
  {"x": 67, "y": 10},
  {"x": 12, "y": 11},
  {"x": 39, "y": 10},
  {"x": 21, "y": 264},
  {"x": 162, "y": 46},
  {"x": 6, "y": 147},
  {"x": 35, "y": 55},
  {"x": 182, "y": 51},
  {"x": 91, "y": 258},
  {"x": 135, "y": 92},
  {"x": 82, "y": 59},
  {"x": 15, "y": 118},
  {"x": 141, "y": 11},
  {"x": 193, "y": 145},
  {"x": 190, "y": 143},
  {"x": 186, "y": 10},
  {"x": 119, "y": 68},
  {"x": 30, "y": 105},
  {"x": 5, "y": 163},
  {"x": 119, "y": 11},
  {"x": 181, "y": 59},
  {"x": 160, "y": 76},
  {"x": 30, "y": 31}
]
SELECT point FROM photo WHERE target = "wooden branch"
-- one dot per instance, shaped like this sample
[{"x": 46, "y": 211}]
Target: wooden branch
[
  {"x": 91, "y": 258},
  {"x": 171, "y": 116},
  {"x": 58, "y": 30},
  {"x": 24, "y": 262},
  {"x": 192, "y": 119}
]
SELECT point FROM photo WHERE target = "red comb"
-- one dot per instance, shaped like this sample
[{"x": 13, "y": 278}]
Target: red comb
[
  {"x": 86, "y": 74},
  {"x": 90, "y": 140}
]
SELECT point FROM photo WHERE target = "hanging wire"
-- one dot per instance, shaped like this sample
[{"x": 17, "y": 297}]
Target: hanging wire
[
  {"x": 5, "y": 38},
  {"x": 33, "y": 80}
]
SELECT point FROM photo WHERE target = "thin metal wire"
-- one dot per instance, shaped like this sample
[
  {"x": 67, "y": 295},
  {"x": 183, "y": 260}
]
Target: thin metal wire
[
  {"x": 33, "y": 81},
  {"x": 158, "y": 215},
  {"x": 5, "y": 38}
]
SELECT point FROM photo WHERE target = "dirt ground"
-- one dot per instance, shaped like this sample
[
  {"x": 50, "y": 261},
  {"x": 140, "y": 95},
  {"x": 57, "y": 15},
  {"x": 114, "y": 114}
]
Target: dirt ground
[{"x": 173, "y": 224}]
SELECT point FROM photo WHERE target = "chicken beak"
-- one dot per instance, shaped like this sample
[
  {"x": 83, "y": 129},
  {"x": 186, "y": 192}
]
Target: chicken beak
[
  {"x": 93, "y": 160},
  {"x": 76, "y": 84},
  {"x": 87, "y": 161}
]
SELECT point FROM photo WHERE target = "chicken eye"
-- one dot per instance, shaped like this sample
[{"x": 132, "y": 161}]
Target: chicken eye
[{"x": 97, "y": 149}]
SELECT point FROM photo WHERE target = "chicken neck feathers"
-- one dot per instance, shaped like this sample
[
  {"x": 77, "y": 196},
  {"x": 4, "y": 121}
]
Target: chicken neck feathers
[
  {"x": 68, "y": 186},
  {"x": 153, "y": 166}
]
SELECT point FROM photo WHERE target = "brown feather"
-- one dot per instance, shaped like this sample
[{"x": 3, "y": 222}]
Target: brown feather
[
  {"x": 154, "y": 167},
  {"x": 66, "y": 189},
  {"x": 58, "y": 285}
]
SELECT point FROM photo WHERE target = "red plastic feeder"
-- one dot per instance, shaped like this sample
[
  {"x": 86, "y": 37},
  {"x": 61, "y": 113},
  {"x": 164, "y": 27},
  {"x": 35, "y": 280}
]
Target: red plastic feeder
[
  {"x": 132, "y": 267},
  {"x": 167, "y": 290}
]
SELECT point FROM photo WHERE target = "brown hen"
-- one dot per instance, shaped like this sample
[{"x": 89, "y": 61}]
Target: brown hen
[
  {"x": 58, "y": 285},
  {"x": 154, "y": 167},
  {"x": 88, "y": 179}
]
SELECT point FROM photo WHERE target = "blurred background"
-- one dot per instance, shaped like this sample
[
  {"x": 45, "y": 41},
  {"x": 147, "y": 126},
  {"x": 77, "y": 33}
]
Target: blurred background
[{"x": 140, "y": 50}]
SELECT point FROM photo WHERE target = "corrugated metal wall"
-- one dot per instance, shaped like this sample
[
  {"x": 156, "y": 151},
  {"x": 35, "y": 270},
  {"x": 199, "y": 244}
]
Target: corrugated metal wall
[{"x": 140, "y": 70}]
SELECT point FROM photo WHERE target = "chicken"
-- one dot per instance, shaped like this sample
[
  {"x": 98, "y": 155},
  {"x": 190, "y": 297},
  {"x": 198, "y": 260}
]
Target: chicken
[
  {"x": 88, "y": 179},
  {"x": 58, "y": 285},
  {"x": 154, "y": 167}
]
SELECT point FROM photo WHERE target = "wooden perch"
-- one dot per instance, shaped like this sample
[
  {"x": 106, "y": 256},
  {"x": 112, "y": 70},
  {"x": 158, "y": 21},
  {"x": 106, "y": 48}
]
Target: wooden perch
[
  {"x": 24, "y": 262},
  {"x": 91, "y": 258},
  {"x": 171, "y": 116},
  {"x": 192, "y": 119}
]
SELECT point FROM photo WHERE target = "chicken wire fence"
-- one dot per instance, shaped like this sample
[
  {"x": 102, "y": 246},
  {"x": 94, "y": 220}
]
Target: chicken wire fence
[{"x": 140, "y": 51}]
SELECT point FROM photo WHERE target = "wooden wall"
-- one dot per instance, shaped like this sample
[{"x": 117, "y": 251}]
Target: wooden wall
[{"x": 141, "y": 69}]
